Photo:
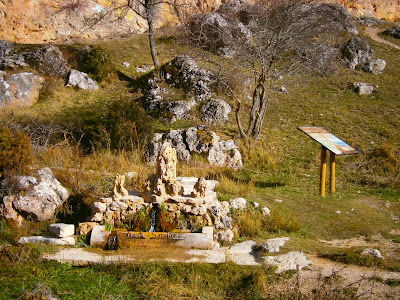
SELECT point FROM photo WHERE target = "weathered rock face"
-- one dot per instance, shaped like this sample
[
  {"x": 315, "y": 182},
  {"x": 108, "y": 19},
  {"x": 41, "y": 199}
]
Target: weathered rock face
[
  {"x": 356, "y": 51},
  {"x": 381, "y": 9},
  {"x": 43, "y": 195},
  {"x": 20, "y": 89},
  {"x": 215, "y": 111},
  {"x": 44, "y": 21}
]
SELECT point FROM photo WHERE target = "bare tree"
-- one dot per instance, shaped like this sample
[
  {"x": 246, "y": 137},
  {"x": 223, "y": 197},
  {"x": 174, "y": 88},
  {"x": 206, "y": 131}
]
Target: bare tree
[
  {"x": 116, "y": 10},
  {"x": 271, "y": 38}
]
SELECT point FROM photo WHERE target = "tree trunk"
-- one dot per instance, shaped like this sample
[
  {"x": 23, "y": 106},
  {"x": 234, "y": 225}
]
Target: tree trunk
[{"x": 150, "y": 18}]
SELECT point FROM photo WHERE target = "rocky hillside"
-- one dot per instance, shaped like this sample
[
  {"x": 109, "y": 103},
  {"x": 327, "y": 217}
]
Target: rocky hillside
[{"x": 45, "y": 21}]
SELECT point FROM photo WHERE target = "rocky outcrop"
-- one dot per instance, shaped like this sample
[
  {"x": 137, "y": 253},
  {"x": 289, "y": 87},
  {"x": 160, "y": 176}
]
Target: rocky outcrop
[
  {"x": 215, "y": 111},
  {"x": 196, "y": 139},
  {"x": 49, "y": 61},
  {"x": 356, "y": 51},
  {"x": 45, "y": 21},
  {"x": 21, "y": 89},
  {"x": 41, "y": 197}
]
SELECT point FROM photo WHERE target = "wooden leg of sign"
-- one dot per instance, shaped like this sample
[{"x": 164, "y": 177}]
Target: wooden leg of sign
[
  {"x": 332, "y": 171},
  {"x": 323, "y": 172}
]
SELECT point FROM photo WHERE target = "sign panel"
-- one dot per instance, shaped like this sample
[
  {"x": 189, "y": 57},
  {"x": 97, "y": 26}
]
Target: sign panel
[{"x": 328, "y": 140}]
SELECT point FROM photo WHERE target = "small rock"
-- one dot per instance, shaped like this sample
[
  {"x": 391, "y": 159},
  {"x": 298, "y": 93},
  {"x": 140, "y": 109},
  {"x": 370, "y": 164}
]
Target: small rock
[
  {"x": 126, "y": 64},
  {"x": 238, "y": 203},
  {"x": 61, "y": 230},
  {"x": 363, "y": 88},
  {"x": 265, "y": 211},
  {"x": 338, "y": 212},
  {"x": 224, "y": 236},
  {"x": 289, "y": 261},
  {"x": 278, "y": 201},
  {"x": 144, "y": 68},
  {"x": 273, "y": 245},
  {"x": 375, "y": 66},
  {"x": 81, "y": 80},
  {"x": 85, "y": 227},
  {"x": 372, "y": 253},
  {"x": 256, "y": 204}
]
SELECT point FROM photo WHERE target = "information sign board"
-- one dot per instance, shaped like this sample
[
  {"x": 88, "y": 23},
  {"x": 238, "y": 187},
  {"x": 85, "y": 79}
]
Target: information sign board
[{"x": 328, "y": 140}]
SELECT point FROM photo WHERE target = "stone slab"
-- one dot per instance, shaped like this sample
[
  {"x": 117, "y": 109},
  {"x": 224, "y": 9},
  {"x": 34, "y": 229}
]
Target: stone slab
[
  {"x": 65, "y": 241},
  {"x": 130, "y": 239}
]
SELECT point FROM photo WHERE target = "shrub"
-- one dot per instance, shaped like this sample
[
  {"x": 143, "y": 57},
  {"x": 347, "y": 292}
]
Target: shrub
[
  {"x": 15, "y": 151},
  {"x": 95, "y": 62}
]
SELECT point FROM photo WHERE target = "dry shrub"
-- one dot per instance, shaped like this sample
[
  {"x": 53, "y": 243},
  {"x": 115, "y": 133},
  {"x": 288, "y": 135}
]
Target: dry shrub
[
  {"x": 15, "y": 151},
  {"x": 230, "y": 186},
  {"x": 380, "y": 166}
]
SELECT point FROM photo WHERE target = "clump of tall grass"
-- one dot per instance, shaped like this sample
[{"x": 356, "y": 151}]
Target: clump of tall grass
[{"x": 250, "y": 222}]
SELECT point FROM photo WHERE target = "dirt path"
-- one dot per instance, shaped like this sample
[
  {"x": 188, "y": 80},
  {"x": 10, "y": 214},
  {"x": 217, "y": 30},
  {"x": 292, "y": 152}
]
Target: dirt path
[{"x": 373, "y": 32}]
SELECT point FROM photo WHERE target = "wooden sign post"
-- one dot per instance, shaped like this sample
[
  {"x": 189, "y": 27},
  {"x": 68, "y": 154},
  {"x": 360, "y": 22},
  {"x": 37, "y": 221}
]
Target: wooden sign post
[{"x": 336, "y": 147}]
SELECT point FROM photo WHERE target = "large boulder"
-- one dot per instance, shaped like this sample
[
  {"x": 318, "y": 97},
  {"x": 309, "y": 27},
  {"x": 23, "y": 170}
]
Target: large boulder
[
  {"x": 215, "y": 111},
  {"x": 49, "y": 61},
  {"x": 20, "y": 89},
  {"x": 42, "y": 195},
  {"x": 356, "y": 51}
]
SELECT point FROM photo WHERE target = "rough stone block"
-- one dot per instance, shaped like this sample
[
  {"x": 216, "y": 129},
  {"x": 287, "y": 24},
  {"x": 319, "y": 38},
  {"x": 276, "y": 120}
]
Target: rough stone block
[
  {"x": 61, "y": 230},
  {"x": 65, "y": 241},
  {"x": 99, "y": 236}
]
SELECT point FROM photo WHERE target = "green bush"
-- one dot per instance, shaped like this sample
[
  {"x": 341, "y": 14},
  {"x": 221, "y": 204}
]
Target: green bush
[
  {"x": 15, "y": 151},
  {"x": 95, "y": 62}
]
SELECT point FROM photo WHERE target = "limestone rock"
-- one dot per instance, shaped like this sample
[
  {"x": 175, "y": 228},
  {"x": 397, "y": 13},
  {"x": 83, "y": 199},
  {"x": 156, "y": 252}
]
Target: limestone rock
[
  {"x": 372, "y": 253},
  {"x": 144, "y": 68},
  {"x": 363, "y": 88},
  {"x": 119, "y": 190},
  {"x": 225, "y": 154},
  {"x": 43, "y": 196},
  {"x": 375, "y": 66},
  {"x": 289, "y": 261},
  {"x": 224, "y": 236},
  {"x": 81, "y": 80},
  {"x": 265, "y": 211},
  {"x": 99, "y": 236},
  {"x": 7, "y": 211},
  {"x": 215, "y": 111},
  {"x": 356, "y": 51},
  {"x": 61, "y": 230},
  {"x": 6, "y": 48},
  {"x": 199, "y": 190},
  {"x": 65, "y": 241},
  {"x": 238, "y": 203},
  {"x": 49, "y": 61},
  {"x": 273, "y": 245},
  {"x": 20, "y": 89},
  {"x": 85, "y": 228}
]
